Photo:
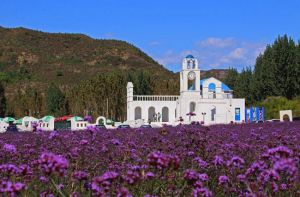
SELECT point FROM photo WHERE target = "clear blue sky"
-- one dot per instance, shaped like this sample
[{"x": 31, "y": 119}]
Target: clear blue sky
[{"x": 219, "y": 33}]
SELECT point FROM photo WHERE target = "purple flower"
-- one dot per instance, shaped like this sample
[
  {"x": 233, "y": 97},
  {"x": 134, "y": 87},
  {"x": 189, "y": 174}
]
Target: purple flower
[
  {"x": 123, "y": 192},
  {"x": 283, "y": 186},
  {"x": 116, "y": 142},
  {"x": 161, "y": 160},
  {"x": 202, "y": 164},
  {"x": 132, "y": 176},
  {"x": 60, "y": 186},
  {"x": 218, "y": 160},
  {"x": 280, "y": 152},
  {"x": 256, "y": 168},
  {"x": 241, "y": 177},
  {"x": 51, "y": 163},
  {"x": 80, "y": 175},
  {"x": 10, "y": 148},
  {"x": 274, "y": 187},
  {"x": 203, "y": 177},
  {"x": 236, "y": 162},
  {"x": 43, "y": 179},
  {"x": 149, "y": 175},
  {"x": 190, "y": 153},
  {"x": 268, "y": 175},
  {"x": 53, "y": 135},
  {"x": 223, "y": 179},
  {"x": 110, "y": 175},
  {"x": 83, "y": 142},
  {"x": 191, "y": 175},
  {"x": 288, "y": 166},
  {"x": 11, "y": 188},
  {"x": 203, "y": 192},
  {"x": 9, "y": 169}
]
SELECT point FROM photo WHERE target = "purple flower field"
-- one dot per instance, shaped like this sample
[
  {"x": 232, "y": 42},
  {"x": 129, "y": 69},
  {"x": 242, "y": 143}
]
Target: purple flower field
[{"x": 222, "y": 160}]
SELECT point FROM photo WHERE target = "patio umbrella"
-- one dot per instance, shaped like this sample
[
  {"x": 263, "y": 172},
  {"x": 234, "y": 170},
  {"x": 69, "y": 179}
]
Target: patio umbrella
[
  {"x": 47, "y": 118},
  {"x": 19, "y": 121},
  {"x": 8, "y": 119}
]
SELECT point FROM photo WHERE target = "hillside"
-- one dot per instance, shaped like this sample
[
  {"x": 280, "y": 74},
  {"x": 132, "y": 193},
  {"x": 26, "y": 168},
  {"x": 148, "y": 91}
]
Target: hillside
[
  {"x": 67, "y": 58},
  {"x": 31, "y": 60}
]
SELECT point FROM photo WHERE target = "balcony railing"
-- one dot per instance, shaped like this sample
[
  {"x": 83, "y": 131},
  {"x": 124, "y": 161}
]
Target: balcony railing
[
  {"x": 217, "y": 96},
  {"x": 155, "y": 98}
]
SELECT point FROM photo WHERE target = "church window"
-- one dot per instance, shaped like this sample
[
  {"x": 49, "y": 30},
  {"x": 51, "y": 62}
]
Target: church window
[
  {"x": 212, "y": 88},
  {"x": 192, "y": 107},
  {"x": 151, "y": 114},
  {"x": 213, "y": 113},
  {"x": 165, "y": 114},
  {"x": 137, "y": 113}
]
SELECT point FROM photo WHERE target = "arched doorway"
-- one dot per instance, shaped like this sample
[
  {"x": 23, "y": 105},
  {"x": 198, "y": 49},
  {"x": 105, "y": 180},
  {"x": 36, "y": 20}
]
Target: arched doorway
[
  {"x": 165, "y": 114},
  {"x": 138, "y": 113},
  {"x": 101, "y": 120},
  {"x": 151, "y": 114},
  {"x": 286, "y": 118},
  {"x": 286, "y": 115}
]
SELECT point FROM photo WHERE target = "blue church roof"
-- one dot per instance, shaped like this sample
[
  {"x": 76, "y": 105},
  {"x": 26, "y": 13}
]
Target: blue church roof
[
  {"x": 223, "y": 85},
  {"x": 189, "y": 56}
]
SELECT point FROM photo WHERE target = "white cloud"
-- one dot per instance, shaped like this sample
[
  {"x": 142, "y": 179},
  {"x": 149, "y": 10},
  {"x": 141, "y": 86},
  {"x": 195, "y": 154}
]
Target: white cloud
[
  {"x": 216, "y": 42},
  {"x": 237, "y": 53},
  {"x": 217, "y": 53},
  {"x": 154, "y": 43}
]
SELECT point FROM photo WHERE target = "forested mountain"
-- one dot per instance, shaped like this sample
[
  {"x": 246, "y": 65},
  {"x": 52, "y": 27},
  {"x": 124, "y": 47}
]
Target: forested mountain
[{"x": 76, "y": 73}]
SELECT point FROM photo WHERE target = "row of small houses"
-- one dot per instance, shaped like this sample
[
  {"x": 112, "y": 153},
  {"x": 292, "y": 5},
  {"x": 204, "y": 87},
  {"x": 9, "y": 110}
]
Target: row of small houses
[{"x": 50, "y": 123}]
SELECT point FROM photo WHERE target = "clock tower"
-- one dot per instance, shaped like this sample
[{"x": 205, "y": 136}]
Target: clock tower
[{"x": 190, "y": 77}]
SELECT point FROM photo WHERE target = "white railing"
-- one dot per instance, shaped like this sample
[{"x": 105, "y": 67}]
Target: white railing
[
  {"x": 218, "y": 96},
  {"x": 155, "y": 98}
]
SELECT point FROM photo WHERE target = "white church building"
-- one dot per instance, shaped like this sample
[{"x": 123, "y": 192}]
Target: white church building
[{"x": 208, "y": 101}]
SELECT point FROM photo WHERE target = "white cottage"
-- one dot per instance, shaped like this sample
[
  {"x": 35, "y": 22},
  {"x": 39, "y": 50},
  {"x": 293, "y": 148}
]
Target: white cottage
[{"x": 209, "y": 101}]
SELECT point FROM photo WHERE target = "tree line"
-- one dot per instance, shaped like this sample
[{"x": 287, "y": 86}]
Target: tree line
[{"x": 104, "y": 94}]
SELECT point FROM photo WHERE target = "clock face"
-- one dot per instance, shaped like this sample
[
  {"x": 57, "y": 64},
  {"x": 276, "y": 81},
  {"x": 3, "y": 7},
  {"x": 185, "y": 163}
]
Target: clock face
[{"x": 191, "y": 75}]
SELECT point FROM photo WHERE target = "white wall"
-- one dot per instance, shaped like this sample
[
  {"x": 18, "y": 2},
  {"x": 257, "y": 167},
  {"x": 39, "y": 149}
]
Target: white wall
[
  {"x": 158, "y": 105},
  {"x": 78, "y": 125},
  {"x": 225, "y": 109},
  {"x": 3, "y": 126},
  {"x": 46, "y": 126}
]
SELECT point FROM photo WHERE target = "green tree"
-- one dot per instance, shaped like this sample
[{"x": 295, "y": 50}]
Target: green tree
[
  {"x": 231, "y": 78},
  {"x": 2, "y": 101},
  {"x": 55, "y": 101},
  {"x": 244, "y": 85}
]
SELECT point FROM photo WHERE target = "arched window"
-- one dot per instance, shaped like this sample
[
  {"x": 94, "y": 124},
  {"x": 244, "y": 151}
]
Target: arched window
[
  {"x": 151, "y": 114},
  {"x": 165, "y": 114},
  {"x": 138, "y": 113},
  {"x": 212, "y": 87},
  {"x": 213, "y": 113},
  {"x": 192, "y": 106}
]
